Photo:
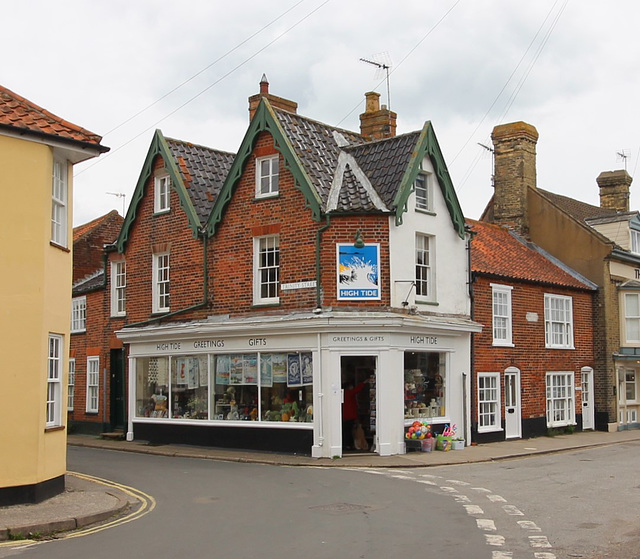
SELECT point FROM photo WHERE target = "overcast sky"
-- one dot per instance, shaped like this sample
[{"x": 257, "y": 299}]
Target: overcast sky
[{"x": 123, "y": 68}]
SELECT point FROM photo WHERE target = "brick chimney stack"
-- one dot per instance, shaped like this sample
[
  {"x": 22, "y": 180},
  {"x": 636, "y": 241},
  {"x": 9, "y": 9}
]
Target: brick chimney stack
[
  {"x": 514, "y": 153},
  {"x": 614, "y": 190},
  {"x": 377, "y": 123},
  {"x": 276, "y": 102}
]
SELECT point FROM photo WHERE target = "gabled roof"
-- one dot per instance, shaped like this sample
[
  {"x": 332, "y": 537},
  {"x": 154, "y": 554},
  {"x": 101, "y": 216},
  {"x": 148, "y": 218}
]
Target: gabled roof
[
  {"x": 499, "y": 252},
  {"x": 338, "y": 171},
  {"x": 197, "y": 174},
  {"x": 86, "y": 228},
  {"x": 578, "y": 210},
  {"x": 21, "y": 115}
]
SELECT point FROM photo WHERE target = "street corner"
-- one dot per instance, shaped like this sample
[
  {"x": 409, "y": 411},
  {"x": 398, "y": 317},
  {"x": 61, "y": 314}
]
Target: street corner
[{"x": 88, "y": 504}]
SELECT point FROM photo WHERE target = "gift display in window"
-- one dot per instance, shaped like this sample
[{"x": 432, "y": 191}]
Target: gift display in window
[{"x": 424, "y": 384}]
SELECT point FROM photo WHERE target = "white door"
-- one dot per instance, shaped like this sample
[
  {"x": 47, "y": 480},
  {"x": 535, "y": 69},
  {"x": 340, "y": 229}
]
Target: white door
[
  {"x": 512, "y": 412},
  {"x": 587, "y": 399}
]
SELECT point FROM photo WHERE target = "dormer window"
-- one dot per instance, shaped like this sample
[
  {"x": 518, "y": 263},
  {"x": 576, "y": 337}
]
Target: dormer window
[
  {"x": 635, "y": 241},
  {"x": 423, "y": 190},
  {"x": 267, "y": 176},
  {"x": 161, "y": 194}
]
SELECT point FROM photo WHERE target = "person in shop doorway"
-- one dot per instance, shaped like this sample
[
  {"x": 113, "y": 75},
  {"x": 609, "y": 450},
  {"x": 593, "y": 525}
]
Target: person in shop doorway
[{"x": 350, "y": 412}]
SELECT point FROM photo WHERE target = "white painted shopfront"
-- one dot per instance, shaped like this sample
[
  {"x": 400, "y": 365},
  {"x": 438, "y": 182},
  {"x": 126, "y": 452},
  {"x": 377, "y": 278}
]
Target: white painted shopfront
[{"x": 257, "y": 383}]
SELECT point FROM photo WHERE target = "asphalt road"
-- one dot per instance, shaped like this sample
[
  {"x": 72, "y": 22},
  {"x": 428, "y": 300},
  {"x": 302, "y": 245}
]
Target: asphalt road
[
  {"x": 221, "y": 510},
  {"x": 559, "y": 506}
]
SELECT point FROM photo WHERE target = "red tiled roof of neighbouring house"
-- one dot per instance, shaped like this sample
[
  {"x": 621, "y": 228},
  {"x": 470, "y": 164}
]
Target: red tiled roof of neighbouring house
[
  {"x": 496, "y": 251},
  {"x": 23, "y": 115},
  {"x": 85, "y": 228}
]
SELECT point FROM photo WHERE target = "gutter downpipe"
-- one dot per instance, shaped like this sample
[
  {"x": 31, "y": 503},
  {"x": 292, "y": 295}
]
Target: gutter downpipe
[
  {"x": 317, "y": 409},
  {"x": 318, "y": 267},
  {"x": 471, "y": 352},
  {"x": 205, "y": 289}
]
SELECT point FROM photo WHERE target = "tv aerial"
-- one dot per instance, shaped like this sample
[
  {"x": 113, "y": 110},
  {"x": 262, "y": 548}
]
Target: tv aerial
[
  {"x": 622, "y": 156},
  {"x": 119, "y": 195},
  {"x": 382, "y": 61}
]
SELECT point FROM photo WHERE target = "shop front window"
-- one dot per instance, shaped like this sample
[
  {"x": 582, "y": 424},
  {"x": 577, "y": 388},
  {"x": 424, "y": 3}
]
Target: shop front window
[
  {"x": 190, "y": 387},
  {"x": 274, "y": 387},
  {"x": 152, "y": 387},
  {"x": 424, "y": 384}
]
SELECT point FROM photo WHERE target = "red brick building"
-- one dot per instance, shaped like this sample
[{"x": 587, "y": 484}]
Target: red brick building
[
  {"x": 89, "y": 405},
  {"x": 533, "y": 361},
  {"x": 257, "y": 284}
]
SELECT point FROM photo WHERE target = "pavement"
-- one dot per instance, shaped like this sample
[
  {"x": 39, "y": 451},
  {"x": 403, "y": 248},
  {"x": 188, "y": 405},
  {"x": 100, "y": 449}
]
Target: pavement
[{"x": 89, "y": 501}]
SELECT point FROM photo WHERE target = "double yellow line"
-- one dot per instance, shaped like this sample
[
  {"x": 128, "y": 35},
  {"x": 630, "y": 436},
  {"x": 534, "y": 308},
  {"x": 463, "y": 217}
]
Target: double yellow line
[{"x": 147, "y": 504}]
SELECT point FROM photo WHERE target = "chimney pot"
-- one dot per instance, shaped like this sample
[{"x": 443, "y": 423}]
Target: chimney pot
[
  {"x": 377, "y": 123},
  {"x": 614, "y": 190}
]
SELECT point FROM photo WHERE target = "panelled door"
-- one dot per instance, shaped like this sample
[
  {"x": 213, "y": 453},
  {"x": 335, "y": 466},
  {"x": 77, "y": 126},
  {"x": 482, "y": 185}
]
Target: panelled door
[
  {"x": 512, "y": 411},
  {"x": 587, "y": 399}
]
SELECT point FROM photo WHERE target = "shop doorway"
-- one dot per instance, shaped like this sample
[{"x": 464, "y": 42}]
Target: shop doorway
[
  {"x": 118, "y": 400},
  {"x": 358, "y": 376}
]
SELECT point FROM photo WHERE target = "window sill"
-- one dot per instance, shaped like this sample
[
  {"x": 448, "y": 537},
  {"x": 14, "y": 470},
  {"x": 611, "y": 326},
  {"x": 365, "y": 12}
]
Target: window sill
[
  {"x": 430, "y": 303},
  {"x": 54, "y": 428},
  {"x": 266, "y": 304},
  {"x": 426, "y": 212},
  {"x": 78, "y": 331},
  {"x": 259, "y": 197},
  {"x": 160, "y": 313},
  {"x": 56, "y": 245},
  {"x": 161, "y": 212},
  {"x": 498, "y": 344},
  {"x": 559, "y": 347},
  {"x": 490, "y": 430},
  {"x": 123, "y": 315}
]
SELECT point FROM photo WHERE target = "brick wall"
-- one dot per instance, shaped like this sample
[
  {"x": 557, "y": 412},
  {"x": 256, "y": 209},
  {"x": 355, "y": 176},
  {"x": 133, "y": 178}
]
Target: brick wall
[
  {"x": 87, "y": 249},
  {"x": 231, "y": 249},
  {"x": 529, "y": 353}
]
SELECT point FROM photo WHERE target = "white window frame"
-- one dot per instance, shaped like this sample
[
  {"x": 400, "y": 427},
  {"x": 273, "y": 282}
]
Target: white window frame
[
  {"x": 501, "y": 315},
  {"x": 558, "y": 322},
  {"x": 59, "y": 203},
  {"x": 161, "y": 288},
  {"x": 635, "y": 241},
  {"x": 71, "y": 384},
  {"x": 54, "y": 381},
  {"x": 267, "y": 176},
  {"x": 118, "y": 288},
  {"x": 162, "y": 193},
  {"x": 424, "y": 271},
  {"x": 93, "y": 384},
  {"x": 266, "y": 273},
  {"x": 631, "y": 318},
  {"x": 560, "y": 388},
  {"x": 423, "y": 187},
  {"x": 79, "y": 314},
  {"x": 630, "y": 385},
  {"x": 489, "y": 397}
]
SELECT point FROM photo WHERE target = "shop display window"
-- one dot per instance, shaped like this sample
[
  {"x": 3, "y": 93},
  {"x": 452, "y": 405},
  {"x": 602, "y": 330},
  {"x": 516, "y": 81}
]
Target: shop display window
[
  {"x": 270, "y": 387},
  {"x": 424, "y": 384},
  {"x": 152, "y": 387},
  {"x": 190, "y": 387}
]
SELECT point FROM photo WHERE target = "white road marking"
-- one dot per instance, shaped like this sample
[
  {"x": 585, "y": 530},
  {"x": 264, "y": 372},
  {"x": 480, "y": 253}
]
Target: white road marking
[
  {"x": 473, "y": 509},
  {"x": 528, "y": 525},
  {"x": 511, "y": 510},
  {"x": 539, "y": 541},
  {"x": 486, "y": 524},
  {"x": 495, "y": 540},
  {"x": 496, "y": 499}
]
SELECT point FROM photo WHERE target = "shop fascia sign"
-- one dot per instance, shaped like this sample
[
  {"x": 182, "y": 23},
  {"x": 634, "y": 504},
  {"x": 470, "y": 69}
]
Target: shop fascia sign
[{"x": 213, "y": 345}]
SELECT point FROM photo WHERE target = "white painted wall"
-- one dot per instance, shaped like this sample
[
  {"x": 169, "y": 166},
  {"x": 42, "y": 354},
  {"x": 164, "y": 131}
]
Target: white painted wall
[{"x": 451, "y": 260}]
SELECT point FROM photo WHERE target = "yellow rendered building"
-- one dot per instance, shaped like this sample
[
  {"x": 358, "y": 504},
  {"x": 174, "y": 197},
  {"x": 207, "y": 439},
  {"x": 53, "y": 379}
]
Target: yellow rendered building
[{"x": 37, "y": 154}]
